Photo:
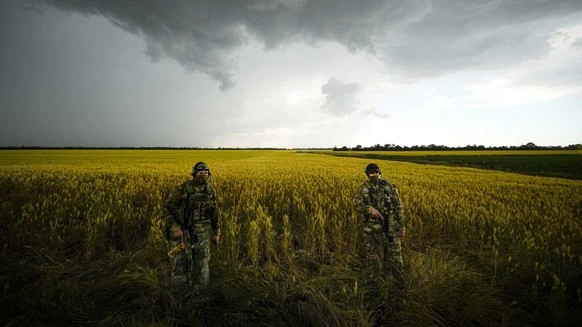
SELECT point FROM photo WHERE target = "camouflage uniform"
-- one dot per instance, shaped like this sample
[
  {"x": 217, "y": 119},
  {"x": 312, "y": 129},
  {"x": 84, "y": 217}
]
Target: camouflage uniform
[
  {"x": 192, "y": 207},
  {"x": 379, "y": 246}
]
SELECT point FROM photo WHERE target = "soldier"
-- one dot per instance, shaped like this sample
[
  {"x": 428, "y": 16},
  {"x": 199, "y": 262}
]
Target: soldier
[
  {"x": 189, "y": 215},
  {"x": 379, "y": 202}
]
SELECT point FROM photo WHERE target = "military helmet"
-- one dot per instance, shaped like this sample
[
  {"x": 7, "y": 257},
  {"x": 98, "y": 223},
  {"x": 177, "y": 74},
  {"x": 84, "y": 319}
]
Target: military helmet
[
  {"x": 372, "y": 168},
  {"x": 198, "y": 166}
]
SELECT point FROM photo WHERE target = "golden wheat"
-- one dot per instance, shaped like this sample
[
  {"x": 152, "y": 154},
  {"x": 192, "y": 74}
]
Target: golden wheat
[{"x": 278, "y": 204}]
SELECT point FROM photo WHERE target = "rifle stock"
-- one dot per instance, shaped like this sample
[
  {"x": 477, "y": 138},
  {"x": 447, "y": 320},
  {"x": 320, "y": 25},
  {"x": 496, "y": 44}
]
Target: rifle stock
[{"x": 185, "y": 245}]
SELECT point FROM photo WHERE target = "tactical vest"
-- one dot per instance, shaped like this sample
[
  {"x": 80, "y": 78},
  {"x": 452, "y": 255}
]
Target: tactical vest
[
  {"x": 194, "y": 207},
  {"x": 380, "y": 196}
]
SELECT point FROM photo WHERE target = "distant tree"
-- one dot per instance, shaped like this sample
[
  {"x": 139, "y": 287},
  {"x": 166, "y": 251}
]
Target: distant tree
[
  {"x": 528, "y": 146},
  {"x": 434, "y": 147}
]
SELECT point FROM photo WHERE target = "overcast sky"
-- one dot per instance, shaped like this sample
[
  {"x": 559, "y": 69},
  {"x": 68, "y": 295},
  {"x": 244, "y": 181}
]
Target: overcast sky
[{"x": 290, "y": 73}]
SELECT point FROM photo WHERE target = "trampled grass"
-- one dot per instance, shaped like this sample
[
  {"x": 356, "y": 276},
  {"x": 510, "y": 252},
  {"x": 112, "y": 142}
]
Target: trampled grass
[{"x": 81, "y": 242}]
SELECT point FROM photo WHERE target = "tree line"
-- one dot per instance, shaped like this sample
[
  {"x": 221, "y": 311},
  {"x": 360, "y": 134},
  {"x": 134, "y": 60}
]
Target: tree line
[
  {"x": 434, "y": 147},
  {"x": 377, "y": 147}
]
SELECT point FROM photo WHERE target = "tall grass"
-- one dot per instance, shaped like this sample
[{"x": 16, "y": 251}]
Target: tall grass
[{"x": 81, "y": 243}]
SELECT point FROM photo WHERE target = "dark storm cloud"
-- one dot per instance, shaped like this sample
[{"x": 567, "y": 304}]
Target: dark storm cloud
[
  {"x": 340, "y": 98},
  {"x": 416, "y": 38},
  {"x": 200, "y": 35},
  {"x": 456, "y": 35}
]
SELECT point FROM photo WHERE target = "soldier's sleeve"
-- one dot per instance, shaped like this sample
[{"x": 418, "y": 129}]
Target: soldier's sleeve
[
  {"x": 214, "y": 221},
  {"x": 398, "y": 210},
  {"x": 360, "y": 201},
  {"x": 168, "y": 211}
]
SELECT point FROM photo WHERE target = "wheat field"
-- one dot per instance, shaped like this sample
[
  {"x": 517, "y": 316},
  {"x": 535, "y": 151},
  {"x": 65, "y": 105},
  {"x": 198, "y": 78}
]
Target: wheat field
[{"x": 81, "y": 242}]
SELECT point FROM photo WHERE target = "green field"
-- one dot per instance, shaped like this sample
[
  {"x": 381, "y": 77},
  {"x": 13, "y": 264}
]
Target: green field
[
  {"x": 82, "y": 245},
  {"x": 551, "y": 163}
]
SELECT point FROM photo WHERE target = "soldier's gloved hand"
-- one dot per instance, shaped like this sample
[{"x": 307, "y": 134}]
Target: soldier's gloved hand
[{"x": 376, "y": 214}]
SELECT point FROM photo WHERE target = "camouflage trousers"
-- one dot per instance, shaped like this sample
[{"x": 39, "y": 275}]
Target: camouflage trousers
[
  {"x": 383, "y": 251},
  {"x": 190, "y": 263}
]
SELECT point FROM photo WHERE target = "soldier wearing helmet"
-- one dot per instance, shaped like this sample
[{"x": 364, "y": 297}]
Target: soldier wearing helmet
[
  {"x": 379, "y": 202},
  {"x": 190, "y": 216}
]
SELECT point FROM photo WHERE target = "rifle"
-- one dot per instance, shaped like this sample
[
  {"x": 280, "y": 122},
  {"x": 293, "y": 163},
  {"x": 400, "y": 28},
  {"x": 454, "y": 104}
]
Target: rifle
[
  {"x": 186, "y": 244},
  {"x": 386, "y": 226},
  {"x": 174, "y": 251}
]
